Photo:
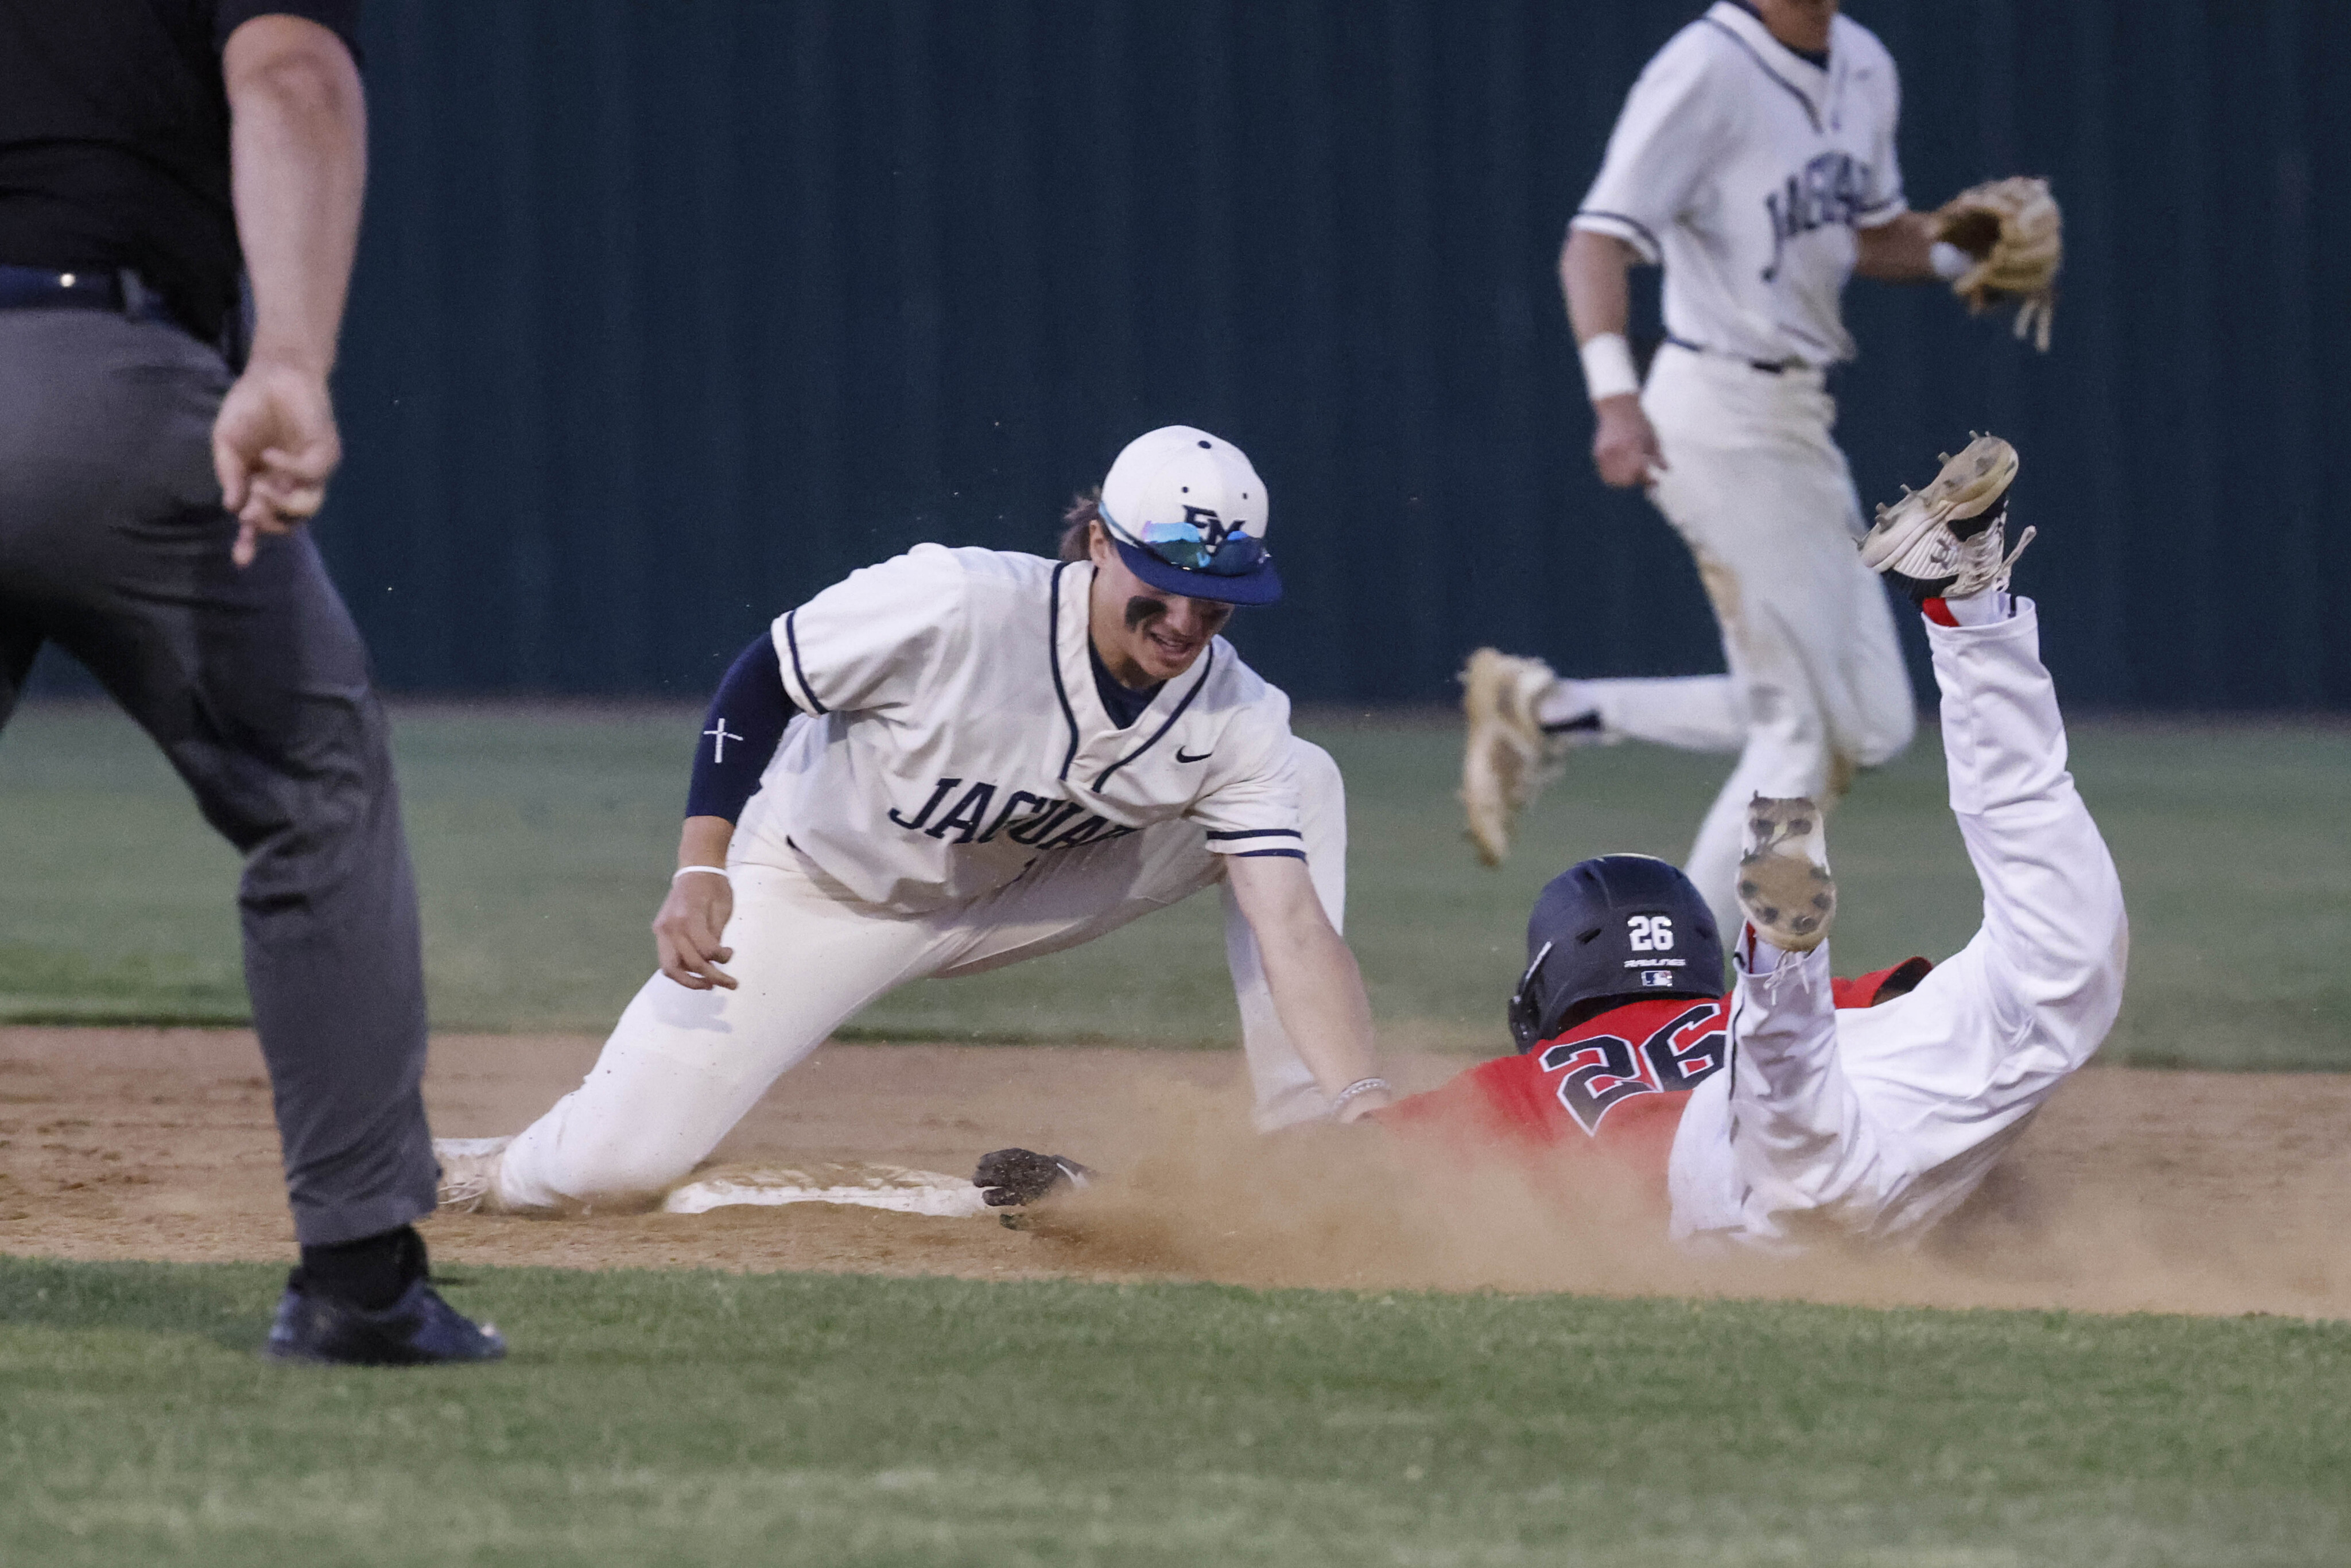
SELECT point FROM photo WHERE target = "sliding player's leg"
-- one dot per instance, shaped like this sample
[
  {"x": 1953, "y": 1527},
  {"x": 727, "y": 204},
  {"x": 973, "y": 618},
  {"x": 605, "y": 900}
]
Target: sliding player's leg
[
  {"x": 1799, "y": 1138},
  {"x": 1893, "y": 1128},
  {"x": 1958, "y": 1068}
]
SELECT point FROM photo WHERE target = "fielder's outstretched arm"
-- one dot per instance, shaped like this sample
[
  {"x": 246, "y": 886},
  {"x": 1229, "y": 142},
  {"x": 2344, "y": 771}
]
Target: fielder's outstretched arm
[{"x": 1318, "y": 992}]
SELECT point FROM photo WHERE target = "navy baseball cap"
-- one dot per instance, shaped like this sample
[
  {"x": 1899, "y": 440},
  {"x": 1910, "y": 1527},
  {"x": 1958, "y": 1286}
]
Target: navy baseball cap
[{"x": 1187, "y": 514}]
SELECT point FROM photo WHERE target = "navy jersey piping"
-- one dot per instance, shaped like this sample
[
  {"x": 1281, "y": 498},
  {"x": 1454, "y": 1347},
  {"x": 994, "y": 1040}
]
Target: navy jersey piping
[
  {"x": 1259, "y": 833},
  {"x": 793, "y": 638},
  {"x": 1053, "y": 657},
  {"x": 1765, "y": 67},
  {"x": 1253, "y": 854},
  {"x": 1104, "y": 776}
]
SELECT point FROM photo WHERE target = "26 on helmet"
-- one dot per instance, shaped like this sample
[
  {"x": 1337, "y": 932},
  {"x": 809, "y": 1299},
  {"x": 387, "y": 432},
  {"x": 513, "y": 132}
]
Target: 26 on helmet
[{"x": 1613, "y": 929}]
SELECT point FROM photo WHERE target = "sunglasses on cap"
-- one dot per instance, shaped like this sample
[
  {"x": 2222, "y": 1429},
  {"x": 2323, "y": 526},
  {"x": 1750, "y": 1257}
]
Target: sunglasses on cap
[{"x": 1210, "y": 546}]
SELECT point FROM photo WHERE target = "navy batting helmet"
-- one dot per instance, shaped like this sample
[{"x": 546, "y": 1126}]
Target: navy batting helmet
[{"x": 1619, "y": 927}]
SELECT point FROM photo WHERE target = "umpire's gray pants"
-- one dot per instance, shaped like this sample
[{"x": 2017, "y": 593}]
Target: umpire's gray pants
[{"x": 113, "y": 546}]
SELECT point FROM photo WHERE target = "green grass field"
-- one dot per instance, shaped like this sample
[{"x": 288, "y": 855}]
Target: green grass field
[
  {"x": 662, "y": 1419},
  {"x": 542, "y": 837},
  {"x": 675, "y": 1418}
]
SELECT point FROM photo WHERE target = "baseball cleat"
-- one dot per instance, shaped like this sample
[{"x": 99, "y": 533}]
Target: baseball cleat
[
  {"x": 418, "y": 1330},
  {"x": 1946, "y": 542},
  {"x": 1784, "y": 886},
  {"x": 1507, "y": 759},
  {"x": 469, "y": 1172}
]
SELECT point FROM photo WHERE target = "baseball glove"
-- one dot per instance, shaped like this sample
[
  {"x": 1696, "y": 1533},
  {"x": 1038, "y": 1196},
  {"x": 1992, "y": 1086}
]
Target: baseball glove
[
  {"x": 2015, "y": 233},
  {"x": 1011, "y": 1178}
]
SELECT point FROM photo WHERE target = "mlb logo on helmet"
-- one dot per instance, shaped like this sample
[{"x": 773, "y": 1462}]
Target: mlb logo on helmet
[
  {"x": 1656, "y": 977},
  {"x": 1189, "y": 513}
]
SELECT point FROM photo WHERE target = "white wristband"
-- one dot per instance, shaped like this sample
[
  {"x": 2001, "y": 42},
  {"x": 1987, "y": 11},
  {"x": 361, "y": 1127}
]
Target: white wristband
[
  {"x": 713, "y": 870},
  {"x": 1608, "y": 367},
  {"x": 1948, "y": 260}
]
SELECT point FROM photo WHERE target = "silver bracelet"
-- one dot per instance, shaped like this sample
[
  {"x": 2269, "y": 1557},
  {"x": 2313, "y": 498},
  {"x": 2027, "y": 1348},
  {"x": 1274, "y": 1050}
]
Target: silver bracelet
[
  {"x": 713, "y": 870},
  {"x": 1359, "y": 1087}
]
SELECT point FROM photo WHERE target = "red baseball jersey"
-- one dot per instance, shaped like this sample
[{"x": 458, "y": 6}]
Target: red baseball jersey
[{"x": 1613, "y": 1087}]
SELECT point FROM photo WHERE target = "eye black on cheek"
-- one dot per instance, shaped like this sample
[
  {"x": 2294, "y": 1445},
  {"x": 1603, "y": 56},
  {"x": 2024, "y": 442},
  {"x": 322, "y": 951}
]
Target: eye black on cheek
[{"x": 1143, "y": 608}]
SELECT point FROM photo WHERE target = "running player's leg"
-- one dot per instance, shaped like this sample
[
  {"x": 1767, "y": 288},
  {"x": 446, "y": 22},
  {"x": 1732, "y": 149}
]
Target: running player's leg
[
  {"x": 1818, "y": 671},
  {"x": 1084, "y": 892},
  {"x": 1785, "y": 754},
  {"x": 682, "y": 1067},
  {"x": 1522, "y": 717},
  {"x": 1688, "y": 713},
  {"x": 1764, "y": 500}
]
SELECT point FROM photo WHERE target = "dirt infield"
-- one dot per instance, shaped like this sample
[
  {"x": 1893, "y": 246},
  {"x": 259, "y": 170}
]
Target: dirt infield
[{"x": 2167, "y": 1191}]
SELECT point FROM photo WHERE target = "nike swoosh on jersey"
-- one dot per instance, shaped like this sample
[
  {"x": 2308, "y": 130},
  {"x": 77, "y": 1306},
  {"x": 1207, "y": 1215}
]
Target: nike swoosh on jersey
[{"x": 1183, "y": 756}]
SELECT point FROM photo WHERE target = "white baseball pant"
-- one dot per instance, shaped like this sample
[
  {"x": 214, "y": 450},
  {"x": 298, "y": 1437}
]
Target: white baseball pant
[
  {"x": 1879, "y": 1122},
  {"x": 682, "y": 1067},
  {"x": 1763, "y": 499}
]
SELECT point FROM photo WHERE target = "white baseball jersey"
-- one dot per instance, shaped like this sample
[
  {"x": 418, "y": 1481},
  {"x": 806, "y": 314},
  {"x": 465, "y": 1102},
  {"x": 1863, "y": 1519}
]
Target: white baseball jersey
[
  {"x": 951, "y": 733},
  {"x": 1745, "y": 169}
]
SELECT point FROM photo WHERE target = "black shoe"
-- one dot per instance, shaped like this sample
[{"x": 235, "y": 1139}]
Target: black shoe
[
  {"x": 1009, "y": 1179},
  {"x": 418, "y": 1330}
]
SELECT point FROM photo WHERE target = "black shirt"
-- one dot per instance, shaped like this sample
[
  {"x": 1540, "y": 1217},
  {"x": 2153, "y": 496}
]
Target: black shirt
[
  {"x": 114, "y": 139},
  {"x": 1123, "y": 703}
]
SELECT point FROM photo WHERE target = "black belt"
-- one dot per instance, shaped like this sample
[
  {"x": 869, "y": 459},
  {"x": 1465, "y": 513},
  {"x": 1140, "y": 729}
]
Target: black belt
[
  {"x": 1769, "y": 367},
  {"x": 96, "y": 288}
]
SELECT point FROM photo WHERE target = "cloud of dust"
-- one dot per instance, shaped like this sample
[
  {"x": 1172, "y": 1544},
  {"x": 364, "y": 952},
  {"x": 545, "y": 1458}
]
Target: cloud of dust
[{"x": 1198, "y": 1194}]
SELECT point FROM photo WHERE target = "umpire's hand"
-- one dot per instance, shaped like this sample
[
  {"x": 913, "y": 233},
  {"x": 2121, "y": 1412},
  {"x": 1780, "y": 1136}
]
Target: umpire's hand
[
  {"x": 273, "y": 447},
  {"x": 686, "y": 931}
]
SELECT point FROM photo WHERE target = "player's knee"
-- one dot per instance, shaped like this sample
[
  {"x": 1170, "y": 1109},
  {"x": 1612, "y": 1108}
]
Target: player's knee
[
  {"x": 2100, "y": 950},
  {"x": 626, "y": 1173},
  {"x": 2074, "y": 959}
]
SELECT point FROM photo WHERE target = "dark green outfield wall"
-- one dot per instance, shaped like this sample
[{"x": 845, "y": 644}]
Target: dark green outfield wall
[{"x": 671, "y": 313}]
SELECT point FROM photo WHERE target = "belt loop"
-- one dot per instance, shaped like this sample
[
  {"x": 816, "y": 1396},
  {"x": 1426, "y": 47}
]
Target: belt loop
[{"x": 133, "y": 289}]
